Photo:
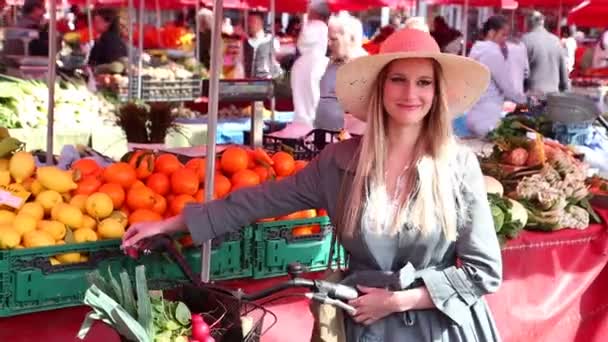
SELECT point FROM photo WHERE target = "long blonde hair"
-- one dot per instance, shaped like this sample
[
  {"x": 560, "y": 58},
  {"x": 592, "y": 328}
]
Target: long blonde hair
[{"x": 434, "y": 198}]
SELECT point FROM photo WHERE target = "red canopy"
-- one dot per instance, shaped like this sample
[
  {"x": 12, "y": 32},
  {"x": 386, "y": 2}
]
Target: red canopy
[
  {"x": 548, "y": 3},
  {"x": 300, "y": 6},
  {"x": 591, "y": 13},
  {"x": 506, "y": 4}
]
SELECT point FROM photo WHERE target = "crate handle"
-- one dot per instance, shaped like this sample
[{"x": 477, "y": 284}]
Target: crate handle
[
  {"x": 165, "y": 243},
  {"x": 44, "y": 264}
]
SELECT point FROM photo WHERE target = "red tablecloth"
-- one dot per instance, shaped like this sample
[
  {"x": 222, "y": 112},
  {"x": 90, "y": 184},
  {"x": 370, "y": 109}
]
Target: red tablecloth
[{"x": 554, "y": 289}]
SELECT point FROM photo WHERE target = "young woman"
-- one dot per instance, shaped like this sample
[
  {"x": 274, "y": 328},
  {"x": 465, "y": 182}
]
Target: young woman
[
  {"x": 109, "y": 47},
  {"x": 408, "y": 201}
]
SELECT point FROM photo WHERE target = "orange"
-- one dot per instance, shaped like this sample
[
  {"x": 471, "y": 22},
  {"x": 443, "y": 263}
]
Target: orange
[
  {"x": 322, "y": 212},
  {"x": 167, "y": 164},
  {"x": 116, "y": 193},
  {"x": 138, "y": 184},
  {"x": 159, "y": 183},
  {"x": 144, "y": 215},
  {"x": 265, "y": 172},
  {"x": 222, "y": 185},
  {"x": 140, "y": 198},
  {"x": 284, "y": 164},
  {"x": 200, "y": 196},
  {"x": 179, "y": 202},
  {"x": 302, "y": 231},
  {"x": 184, "y": 181},
  {"x": 143, "y": 165},
  {"x": 245, "y": 178},
  {"x": 198, "y": 165},
  {"x": 234, "y": 159},
  {"x": 86, "y": 167},
  {"x": 120, "y": 173},
  {"x": 298, "y": 215},
  {"x": 87, "y": 186},
  {"x": 299, "y": 165},
  {"x": 160, "y": 204}
]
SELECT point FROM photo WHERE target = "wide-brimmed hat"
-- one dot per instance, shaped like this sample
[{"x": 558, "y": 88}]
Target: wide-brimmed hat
[{"x": 466, "y": 80}]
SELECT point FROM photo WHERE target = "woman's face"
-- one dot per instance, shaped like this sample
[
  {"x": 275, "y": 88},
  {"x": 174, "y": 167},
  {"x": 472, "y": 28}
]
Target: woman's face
[
  {"x": 409, "y": 90},
  {"x": 100, "y": 24}
]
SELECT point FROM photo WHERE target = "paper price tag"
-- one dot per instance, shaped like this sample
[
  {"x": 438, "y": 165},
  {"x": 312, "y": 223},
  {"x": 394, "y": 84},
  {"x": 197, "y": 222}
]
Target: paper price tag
[{"x": 12, "y": 197}]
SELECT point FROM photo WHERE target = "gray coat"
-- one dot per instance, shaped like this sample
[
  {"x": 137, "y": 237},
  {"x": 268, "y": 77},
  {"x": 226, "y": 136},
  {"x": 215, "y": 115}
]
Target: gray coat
[
  {"x": 548, "y": 69},
  {"x": 461, "y": 314}
]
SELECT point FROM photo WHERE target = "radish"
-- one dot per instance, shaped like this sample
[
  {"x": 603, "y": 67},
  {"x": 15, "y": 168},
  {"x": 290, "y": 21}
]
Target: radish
[
  {"x": 200, "y": 329},
  {"x": 209, "y": 339}
]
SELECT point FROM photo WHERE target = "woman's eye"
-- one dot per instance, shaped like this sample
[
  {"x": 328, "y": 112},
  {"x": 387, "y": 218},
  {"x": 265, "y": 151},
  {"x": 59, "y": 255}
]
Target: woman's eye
[
  {"x": 425, "y": 83},
  {"x": 397, "y": 79}
]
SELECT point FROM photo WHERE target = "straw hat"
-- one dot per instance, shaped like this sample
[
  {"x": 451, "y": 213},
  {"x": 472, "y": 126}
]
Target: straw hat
[{"x": 465, "y": 78}]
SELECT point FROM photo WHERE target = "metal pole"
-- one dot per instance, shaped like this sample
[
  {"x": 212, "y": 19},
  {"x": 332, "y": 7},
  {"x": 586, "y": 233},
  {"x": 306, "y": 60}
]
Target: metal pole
[
  {"x": 140, "y": 49},
  {"x": 559, "y": 20},
  {"x": 197, "y": 30},
  {"x": 90, "y": 20},
  {"x": 272, "y": 59},
  {"x": 465, "y": 29},
  {"x": 51, "y": 81},
  {"x": 214, "y": 82},
  {"x": 130, "y": 51},
  {"x": 158, "y": 23}
]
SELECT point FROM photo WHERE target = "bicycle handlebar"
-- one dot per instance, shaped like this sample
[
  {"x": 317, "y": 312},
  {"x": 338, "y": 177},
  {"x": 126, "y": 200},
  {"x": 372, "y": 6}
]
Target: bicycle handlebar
[{"x": 332, "y": 290}]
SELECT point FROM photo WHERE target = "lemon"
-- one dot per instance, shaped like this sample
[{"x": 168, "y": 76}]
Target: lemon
[
  {"x": 49, "y": 199},
  {"x": 55, "y": 210},
  {"x": 38, "y": 238},
  {"x": 54, "y": 178},
  {"x": 110, "y": 229},
  {"x": 68, "y": 258},
  {"x": 9, "y": 238},
  {"x": 7, "y": 216},
  {"x": 88, "y": 222},
  {"x": 22, "y": 166},
  {"x": 5, "y": 178},
  {"x": 99, "y": 205},
  {"x": 67, "y": 197},
  {"x": 55, "y": 229},
  {"x": 19, "y": 247},
  {"x": 17, "y": 187},
  {"x": 80, "y": 202},
  {"x": 84, "y": 258},
  {"x": 36, "y": 187},
  {"x": 4, "y": 164},
  {"x": 85, "y": 235},
  {"x": 33, "y": 209},
  {"x": 24, "y": 223},
  {"x": 54, "y": 261},
  {"x": 121, "y": 217},
  {"x": 70, "y": 215}
]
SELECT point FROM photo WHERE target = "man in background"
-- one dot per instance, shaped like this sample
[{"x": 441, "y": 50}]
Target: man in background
[
  {"x": 548, "y": 71},
  {"x": 258, "y": 57},
  {"x": 32, "y": 18}
]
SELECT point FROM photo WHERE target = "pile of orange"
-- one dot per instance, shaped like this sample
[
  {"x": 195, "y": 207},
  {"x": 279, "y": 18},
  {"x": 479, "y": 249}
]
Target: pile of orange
[{"x": 149, "y": 187}]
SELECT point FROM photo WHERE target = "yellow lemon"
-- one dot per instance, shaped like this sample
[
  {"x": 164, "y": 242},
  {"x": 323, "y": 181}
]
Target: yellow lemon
[
  {"x": 99, "y": 205},
  {"x": 68, "y": 258},
  {"x": 36, "y": 187},
  {"x": 88, "y": 222},
  {"x": 33, "y": 209},
  {"x": 38, "y": 238},
  {"x": 80, "y": 202},
  {"x": 84, "y": 235},
  {"x": 24, "y": 223},
  {"x": 56, "y": 229},
  {"x": 54, "y": 261},
  {"x": 54, "y": 178},
  {"x": 110, "y": 229},
  {"x": 70, "y": 215},
  {"x": 17, "y": 187},
  {"x": 5, "y": 178},
  {"x": 121, "y": 217},
  {"x": 7, "y": 216},
  {"x": 84, "y": 258},
  {"x": 55, "y": 210},
  {"x": 4, "y": 164},
  {"x": 19, "y": 247},
  {"x": 9, "y": 238},
  {"x": 22, "y": 166},
  {"x": 49, "y": 199}
]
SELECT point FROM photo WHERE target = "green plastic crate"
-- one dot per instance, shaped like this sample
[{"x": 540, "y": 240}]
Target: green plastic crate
[
  {"x": 230, "y": 259},
  {"x": 28, "y": 282},
  {"x": 275, "y": 247}
]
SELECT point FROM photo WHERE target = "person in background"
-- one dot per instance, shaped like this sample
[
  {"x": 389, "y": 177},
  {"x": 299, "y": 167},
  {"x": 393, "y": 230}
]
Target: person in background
[
  {"x": 258, "y": 57},
  {"x": 569, "y": 45},
  {"x": 278, "y": 28},
  {"x": 418, "y": 23},
  {"x": 447, "y": 37},
  {"x": 517, "y": 60},
  {"x": 548, "y": 71},
  {"x": 109, "y": 47},
  {"x": 32, "y": 18},
  {"x": 600, "y": 52},
  {"x": 294, "y": 26},
  {"x": 487, "y": 112},
  {"x": 204, "y": 43},
  {"x": 345, "y": 36}
]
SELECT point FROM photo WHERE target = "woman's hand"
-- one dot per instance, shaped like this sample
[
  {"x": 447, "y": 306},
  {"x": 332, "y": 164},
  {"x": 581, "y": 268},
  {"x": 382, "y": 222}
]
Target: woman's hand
[
  {"x": 373, "y": 305},
  {"x": 143, "y": 230}
]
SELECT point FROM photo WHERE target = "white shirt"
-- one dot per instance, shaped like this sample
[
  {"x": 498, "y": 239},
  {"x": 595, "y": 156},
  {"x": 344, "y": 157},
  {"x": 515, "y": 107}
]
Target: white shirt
[
  {"x": 518, "y": 63},
  {"x": 570, "y": 48}
]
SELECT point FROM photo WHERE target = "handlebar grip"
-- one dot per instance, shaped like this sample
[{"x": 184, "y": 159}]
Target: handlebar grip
[{"x": 337, "y": 291}]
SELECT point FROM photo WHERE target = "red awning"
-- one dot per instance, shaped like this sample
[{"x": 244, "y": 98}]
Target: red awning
[
  {"x": 548, "y": 3},
  {"x": 506, "y": 4},
  {"x": 591, "y": 13}
]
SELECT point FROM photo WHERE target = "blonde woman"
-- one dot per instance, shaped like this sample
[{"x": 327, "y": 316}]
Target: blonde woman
[{"x": 408, "y": 201}]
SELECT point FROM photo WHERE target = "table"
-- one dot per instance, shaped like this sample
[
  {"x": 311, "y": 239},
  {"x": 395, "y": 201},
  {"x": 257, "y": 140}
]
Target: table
[{"x": 554, "y": 289}]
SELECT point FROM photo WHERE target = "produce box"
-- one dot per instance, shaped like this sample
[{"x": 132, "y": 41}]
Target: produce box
[
  {"x": 230, "y": 259},
  {"x": 30, "y": 283},
  {"x": 279, "y": 243}
]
